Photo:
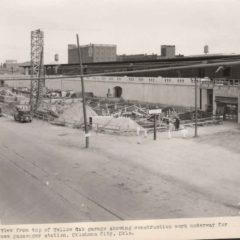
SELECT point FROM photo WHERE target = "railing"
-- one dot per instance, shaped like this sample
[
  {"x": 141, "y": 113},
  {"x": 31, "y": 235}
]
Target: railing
[
  {"x": 145, "y": 80},
  {"x": 204, "y": 121},
  {"x": 227, "y": 82}
]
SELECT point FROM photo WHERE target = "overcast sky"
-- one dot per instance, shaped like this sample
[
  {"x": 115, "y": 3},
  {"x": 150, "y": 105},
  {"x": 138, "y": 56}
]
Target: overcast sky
[{"x": 135, "y": 26}]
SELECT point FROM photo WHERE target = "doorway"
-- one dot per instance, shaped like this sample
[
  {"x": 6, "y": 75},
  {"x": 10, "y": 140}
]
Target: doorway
[
  {"x": 117, "y": 92},
  {"x": 228, "y": 107}
]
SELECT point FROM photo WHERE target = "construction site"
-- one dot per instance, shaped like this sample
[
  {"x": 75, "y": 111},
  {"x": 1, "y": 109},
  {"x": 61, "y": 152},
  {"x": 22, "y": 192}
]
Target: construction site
[{"x": 119, "y": 144}]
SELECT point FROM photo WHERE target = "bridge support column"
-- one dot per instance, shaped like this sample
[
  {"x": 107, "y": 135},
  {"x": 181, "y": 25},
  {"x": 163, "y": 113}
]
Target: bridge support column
[{"x": 214, "y": 102}]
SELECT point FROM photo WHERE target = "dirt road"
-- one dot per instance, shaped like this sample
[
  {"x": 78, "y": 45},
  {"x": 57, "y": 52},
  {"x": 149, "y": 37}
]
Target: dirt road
[{"x": 47, "y": 176}]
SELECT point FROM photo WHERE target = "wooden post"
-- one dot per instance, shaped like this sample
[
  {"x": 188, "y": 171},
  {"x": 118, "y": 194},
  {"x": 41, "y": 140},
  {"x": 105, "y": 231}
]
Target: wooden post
[{"x": 155, "y": 127}]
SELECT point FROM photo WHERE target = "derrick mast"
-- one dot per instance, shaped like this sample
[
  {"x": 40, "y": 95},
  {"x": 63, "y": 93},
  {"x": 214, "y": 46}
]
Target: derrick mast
[{"x": 37, "y": 69}]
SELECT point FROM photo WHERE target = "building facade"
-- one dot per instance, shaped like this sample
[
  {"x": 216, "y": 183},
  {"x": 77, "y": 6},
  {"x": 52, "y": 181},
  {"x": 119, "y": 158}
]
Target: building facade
[
  {"x": 10, "y": 64},
  {"x": 168, "y": 51},
  {"x": 93, "y": 53}
]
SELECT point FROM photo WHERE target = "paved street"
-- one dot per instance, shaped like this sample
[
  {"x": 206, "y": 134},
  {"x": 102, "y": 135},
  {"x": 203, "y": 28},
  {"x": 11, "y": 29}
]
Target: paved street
[{"x": 47, "y": 176}]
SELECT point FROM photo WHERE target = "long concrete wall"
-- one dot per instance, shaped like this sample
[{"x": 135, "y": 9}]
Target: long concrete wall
[
  {"x": 167, "y": 91},
  {"x": 12, "y": 80},
  {"x": 152, "y": 91}
]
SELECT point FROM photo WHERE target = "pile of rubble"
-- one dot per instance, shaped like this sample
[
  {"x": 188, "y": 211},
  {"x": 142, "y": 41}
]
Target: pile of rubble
[
  {"x": 69, "y": 112},
  {"x": 7, "y": 96},
  {"x": 139, "y": 113},
  {"x": 52, "y": 109},
  {"x": 73, "y": 115},
  {"x": 115, "y": 116}
]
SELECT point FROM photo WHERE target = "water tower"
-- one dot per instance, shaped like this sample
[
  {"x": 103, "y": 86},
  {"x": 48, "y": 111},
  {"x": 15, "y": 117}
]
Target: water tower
[
  {"x": 56, "y": 58},
  {"x": 206, "y": 50}
]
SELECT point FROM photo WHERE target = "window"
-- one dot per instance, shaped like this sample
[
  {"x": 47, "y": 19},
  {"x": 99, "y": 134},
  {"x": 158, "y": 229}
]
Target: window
[{"x": 227, "y": 72}]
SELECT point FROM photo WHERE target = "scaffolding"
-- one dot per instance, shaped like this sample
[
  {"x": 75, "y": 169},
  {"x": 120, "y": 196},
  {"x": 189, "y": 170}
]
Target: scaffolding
[{"x": 37, "y": 69}]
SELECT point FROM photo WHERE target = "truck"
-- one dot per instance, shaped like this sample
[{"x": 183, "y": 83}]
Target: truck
[{"x": 22, "y": 113}]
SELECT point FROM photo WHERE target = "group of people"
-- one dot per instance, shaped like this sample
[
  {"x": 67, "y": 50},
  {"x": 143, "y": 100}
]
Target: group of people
[{"x": 175, "y": 124}]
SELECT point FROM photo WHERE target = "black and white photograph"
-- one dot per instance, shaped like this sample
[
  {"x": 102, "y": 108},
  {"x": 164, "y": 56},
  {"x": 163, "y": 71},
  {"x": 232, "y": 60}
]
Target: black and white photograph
[{"x": 119, "y": 110}]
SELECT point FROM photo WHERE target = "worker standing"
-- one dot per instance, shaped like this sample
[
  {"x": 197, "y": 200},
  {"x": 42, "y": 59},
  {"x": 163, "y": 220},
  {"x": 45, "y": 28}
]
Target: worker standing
[{"x": 177, "y": 124}]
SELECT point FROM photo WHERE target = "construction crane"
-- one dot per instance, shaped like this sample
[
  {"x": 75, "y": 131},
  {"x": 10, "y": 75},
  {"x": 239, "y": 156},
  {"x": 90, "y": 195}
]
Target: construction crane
[{"x": 37, "y": 69}]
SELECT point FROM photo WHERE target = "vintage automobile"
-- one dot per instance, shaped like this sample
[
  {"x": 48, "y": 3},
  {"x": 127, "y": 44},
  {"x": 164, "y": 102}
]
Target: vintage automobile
[{"x": 23, "y": 113}]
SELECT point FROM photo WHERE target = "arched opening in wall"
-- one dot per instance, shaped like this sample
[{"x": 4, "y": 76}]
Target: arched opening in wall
[{"x": 117, "y": 92}]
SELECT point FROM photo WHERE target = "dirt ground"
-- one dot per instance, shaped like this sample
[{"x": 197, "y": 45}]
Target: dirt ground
[{"x": 47, "y": 175}]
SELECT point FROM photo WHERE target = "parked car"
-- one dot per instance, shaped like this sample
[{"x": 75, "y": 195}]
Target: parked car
[{"x": 23, "y": 113}]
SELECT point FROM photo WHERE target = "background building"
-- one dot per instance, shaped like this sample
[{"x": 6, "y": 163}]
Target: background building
[
  {"x": 11, "y": 66},
  {"x": 93, "y": 53},
  {"x": 168, "y": 51}
]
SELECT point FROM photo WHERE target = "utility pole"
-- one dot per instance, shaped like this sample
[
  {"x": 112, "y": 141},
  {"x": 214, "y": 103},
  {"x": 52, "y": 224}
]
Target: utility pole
[
  {"x": 196, "y": 107},
  {"x": 83, "y": 95}
]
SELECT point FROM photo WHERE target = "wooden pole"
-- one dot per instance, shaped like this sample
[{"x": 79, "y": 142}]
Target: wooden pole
[
  {"x": 196, "y": 134},
  {"x": 83, "y": 95},
  {"x": 155, "y": 127}
]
